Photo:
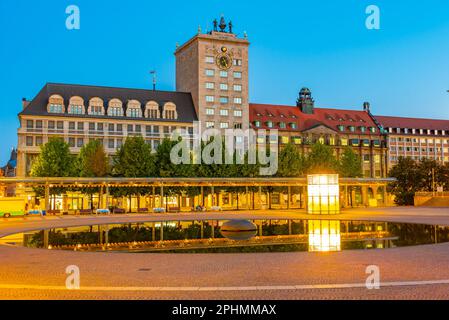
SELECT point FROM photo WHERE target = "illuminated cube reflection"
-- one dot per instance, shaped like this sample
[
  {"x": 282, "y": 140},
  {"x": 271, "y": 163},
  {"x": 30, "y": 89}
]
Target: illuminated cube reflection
[{"x": 324, "y": 236}]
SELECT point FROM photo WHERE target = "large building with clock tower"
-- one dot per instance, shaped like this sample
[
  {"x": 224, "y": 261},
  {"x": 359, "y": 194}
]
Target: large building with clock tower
[{"x": 213, "y": 67}]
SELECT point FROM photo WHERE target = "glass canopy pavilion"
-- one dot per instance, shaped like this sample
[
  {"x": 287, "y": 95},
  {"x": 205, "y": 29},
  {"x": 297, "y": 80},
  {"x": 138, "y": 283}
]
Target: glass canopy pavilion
[{"x": 67, "y": 195}]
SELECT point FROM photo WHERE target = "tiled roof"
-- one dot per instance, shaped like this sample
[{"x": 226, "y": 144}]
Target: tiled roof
[
  {"x": 183, "y": 101},
  {"x": 413, "y": 123},
  {"x": 331, "y": 118}
]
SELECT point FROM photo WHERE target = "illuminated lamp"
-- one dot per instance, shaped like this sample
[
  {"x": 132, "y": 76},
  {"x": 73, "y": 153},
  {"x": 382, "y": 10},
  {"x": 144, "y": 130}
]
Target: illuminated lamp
[
  {"x": 323, "y": 194},
  {"x": 324, "y": 236}
]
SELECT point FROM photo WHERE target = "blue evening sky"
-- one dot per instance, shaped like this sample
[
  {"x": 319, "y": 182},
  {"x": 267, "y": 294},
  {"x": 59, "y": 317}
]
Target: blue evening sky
[{"x": 402, "y": 69}]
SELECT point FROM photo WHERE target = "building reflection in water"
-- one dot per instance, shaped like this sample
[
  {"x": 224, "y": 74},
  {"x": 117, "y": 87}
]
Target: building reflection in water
[{"x": 324, "y": 236}]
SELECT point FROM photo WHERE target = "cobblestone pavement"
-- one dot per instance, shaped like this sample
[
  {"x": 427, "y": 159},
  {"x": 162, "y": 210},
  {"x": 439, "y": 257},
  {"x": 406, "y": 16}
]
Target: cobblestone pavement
[{"x": 206, "y": 276}]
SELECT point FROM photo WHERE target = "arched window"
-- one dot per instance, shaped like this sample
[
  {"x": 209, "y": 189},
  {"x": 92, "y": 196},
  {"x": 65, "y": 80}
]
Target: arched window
[
  {"x": 134, "y": 109},
  {"x": 76, "y": 105},
  {"x": 56, "y": 104},
  {"x": 170, "y": 111},
  {"x": 152, "y": 110},
  {"x": 96, "y": 107},
  {"x": 115, "y": 108}
]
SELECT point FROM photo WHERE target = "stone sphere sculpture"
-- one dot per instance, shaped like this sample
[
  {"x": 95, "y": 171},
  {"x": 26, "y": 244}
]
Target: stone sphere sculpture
[{"x": 239, "y": 230}]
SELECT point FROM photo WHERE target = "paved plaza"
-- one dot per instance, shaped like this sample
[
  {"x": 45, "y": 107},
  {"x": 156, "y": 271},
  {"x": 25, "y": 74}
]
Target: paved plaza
[{"x": 406, "y": 273}]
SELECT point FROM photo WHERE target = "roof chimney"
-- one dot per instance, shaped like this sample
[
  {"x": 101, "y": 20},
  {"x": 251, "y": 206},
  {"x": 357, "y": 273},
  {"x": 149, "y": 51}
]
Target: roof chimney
[
  {"x": 366, "y": 107},
  {"x": 25, "y": 103}
]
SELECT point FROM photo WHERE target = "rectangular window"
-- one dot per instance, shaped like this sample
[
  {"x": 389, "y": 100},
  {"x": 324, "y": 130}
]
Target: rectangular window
[
  {"x": 119, "y": 143},
  {"x": 237, "y": 113},
  {"x": 237, "y": 87},
  {"x": 210, "y": 59},
  {"x": 91, "y": 126},
  {"x": 210, "y": 85},
  {"x": 111, "y": 127},
  {"x": 111, "y": 143},
  {"x": 29, "y": 141},
  {"x": 223, "y": 74},
  {"x": 81, "y": 126},
  {"x": 130, "y": 128},
  {"x": 210, "y": 98},
  {"x": 210, "y": 124},
  {"x": 138, "y": 128},
  {"x": 237, "y": 75},
  {"x": 238, "y": 125},
  {"x": 224, "y": 112},
  {"x": 38, "y": 124},
  {"x": 51, "y": 125},
  {"x": 71, "y": 125},
  {"x": 156, "y": 129},
  {"x": 80, "y": 142},
  {"x": 39, "y": 141},
  {"x": 224, "y": 125},
  {"x": 224, "y": 87},
  {"x": 210, "y": 111},
  {"x": 210, "y": 72},
  {"x": 238, "y": 100},
  {"x": 72, "y": 142},
  {"x": 224, "y": 99},
  {"x": 30, "y": 124},
  {"x": 237, "y": 62}
]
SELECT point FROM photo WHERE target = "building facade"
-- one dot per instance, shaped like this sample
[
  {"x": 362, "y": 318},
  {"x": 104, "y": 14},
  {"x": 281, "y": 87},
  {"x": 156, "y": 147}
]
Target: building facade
[
  {"x": 304, "y": 124},
  {"x": 212, "y": 86},
  {"x": 79, "y": 114},
  {"x": 416, "y": 138},
  {"x": 213, "y": 67}
]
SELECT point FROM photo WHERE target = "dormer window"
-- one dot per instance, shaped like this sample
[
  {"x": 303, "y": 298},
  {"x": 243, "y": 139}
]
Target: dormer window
[
  {"x": 134, "y": 109},
  {"x": 115, "y": 108},
  {"x": 269, "y": 124},
  {"x": 372, "y": 129},
  {"x": 282, "y": 125},
  {"x": 76, "y": 105},
  {"x": 363, "y": 129},
  {"x": 152, "y": 110},
  {"x": 293, "y": 125},
  {"x": 351, "y": 128},
  {"x": 55, "y": 104},
  {"x": 96, "y": 107},
  {"x": 341, "y": 128},
  {"x": 170, "y": 111},
  {"x": 257, "y": 124}
]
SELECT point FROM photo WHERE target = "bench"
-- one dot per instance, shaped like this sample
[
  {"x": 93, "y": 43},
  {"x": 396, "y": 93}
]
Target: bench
[
  {"x": 119, "y": 211},
  {"x": 143, "y": 210},
  {"x": 53, "y": 212},
  {"x": 85, "y": 211},
  {"x": 174, "y": 210}
]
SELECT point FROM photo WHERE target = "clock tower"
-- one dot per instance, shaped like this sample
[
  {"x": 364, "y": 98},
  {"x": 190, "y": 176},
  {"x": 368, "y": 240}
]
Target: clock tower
[{"x": 213, "y": 67}]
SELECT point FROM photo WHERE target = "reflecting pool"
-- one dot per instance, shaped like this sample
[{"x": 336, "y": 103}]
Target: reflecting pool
[{"x": 214, "y": 236}]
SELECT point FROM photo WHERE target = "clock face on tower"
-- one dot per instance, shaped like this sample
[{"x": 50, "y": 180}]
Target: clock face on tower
[{"x": 224, "y": 60}]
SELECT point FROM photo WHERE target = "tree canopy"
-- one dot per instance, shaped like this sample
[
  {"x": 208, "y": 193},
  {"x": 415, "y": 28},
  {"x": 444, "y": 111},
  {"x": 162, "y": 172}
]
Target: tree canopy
[
  {"x": 54, "y": 160},
  {"x": 93, "y": 160}
]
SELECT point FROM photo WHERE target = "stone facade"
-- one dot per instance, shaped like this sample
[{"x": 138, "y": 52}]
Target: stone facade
[{"x": 219, "y": 89}]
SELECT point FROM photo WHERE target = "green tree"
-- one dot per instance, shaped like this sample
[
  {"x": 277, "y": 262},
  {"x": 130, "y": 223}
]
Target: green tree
[
  {"x": 54, "y": 160},
  {"x": 134, "y": 159},
  {"x": 408, "y": 179},
  {"x": 92, "y": 160},
  {"x": 321, "y": 159},
  {"x": 350, "y": 165},
  {"x": 291, "y": 162}
]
